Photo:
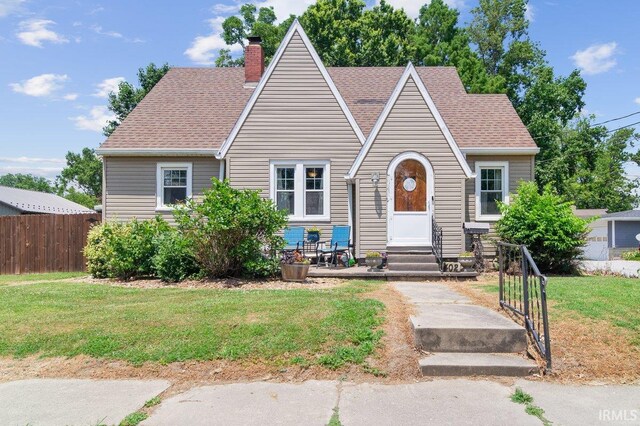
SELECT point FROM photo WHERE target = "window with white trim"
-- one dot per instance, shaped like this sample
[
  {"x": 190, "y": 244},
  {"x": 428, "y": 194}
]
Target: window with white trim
[
  {"x": 301, "y": 188},
  {"x": 174, "y": 184},
  {"x": 492, "y": 188}
]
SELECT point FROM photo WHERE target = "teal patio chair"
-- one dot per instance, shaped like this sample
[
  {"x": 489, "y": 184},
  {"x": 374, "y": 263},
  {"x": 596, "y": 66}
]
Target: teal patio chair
[
  {"x": 294, "y": 238},
  {"x": 340, "y": 242}
]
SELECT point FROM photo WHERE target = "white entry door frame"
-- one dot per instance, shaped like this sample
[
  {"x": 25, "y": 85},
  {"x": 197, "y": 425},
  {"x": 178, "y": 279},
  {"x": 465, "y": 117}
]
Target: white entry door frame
[{"x": 409, "y": 228}]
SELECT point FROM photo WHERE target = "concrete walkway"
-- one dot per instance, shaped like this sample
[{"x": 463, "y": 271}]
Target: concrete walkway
[
  {"x": 74, "y": 402},
  {"x": 437, "y": 402}
]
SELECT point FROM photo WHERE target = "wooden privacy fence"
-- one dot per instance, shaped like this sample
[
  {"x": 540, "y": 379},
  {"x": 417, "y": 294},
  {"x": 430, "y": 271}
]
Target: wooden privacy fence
[{"x": 44, "y": 243}]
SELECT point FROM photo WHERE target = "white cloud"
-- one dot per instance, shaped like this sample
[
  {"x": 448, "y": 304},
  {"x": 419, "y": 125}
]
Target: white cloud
[
  {"x": 95, "y": 121},
  {"x": 597, "y": 58},
  {"x": 107, "y": 86},
  {"x": 204, "y": 49},
  {"x": 32, "y": 160},
  {"x": 41, "y": 85},
  {"x": 114, "y": 34},
  {"x": 412, "y": 7},
  {"x": 222, "y": 8},
  {"x": 284, "y": 8},
  {"x": 8, "y": 7},
  {"x": 70, "y": 97},
  {"x": 47, "y": 167},
  {"x": 529, "y": 12},
  {"x": 637, "y": 100},
  {"x": 34, "y": 31}
]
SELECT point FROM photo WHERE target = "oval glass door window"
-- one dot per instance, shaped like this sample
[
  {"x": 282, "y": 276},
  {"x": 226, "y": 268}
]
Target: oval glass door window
[{"x": 409, "y": 184}]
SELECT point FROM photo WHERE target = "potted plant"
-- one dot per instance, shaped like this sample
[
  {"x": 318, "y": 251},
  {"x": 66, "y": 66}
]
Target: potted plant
[
  {"x": 313, "y": 234},
  {"x": 466, "y": 259},
  {"x": 373, "y": 259},
  {"x": 294, "y": 266}
]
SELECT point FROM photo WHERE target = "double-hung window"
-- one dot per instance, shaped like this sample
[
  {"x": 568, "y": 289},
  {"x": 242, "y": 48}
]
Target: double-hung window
[
  {"x": 301, "y": 188},
  {"x": 173, "y": 184},
  {"x": 492, "y": 188}
]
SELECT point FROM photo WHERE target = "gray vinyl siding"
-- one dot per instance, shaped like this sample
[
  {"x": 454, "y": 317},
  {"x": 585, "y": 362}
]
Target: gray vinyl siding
[
  {"x": 626, "y": 232},
  {"x": 131, "y": 184},
  {"x": 296, "y": 117},
  {"x": 6, "y": 210},
  {"x": 411, "y": 126},
  {"x": 521, "y": 167}
]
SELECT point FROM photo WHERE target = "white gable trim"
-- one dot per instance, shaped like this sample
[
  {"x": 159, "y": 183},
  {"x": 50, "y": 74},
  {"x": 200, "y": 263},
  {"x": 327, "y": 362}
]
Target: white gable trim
[
  {"x": 295, "y": 27},
  {"x": 409, "y": 72}
]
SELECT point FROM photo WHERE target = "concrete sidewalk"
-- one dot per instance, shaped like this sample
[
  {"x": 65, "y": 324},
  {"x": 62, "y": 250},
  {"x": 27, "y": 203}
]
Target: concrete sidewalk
[
  {"x": 437, "y": 402},
  {"x": 74, "y": 402}
]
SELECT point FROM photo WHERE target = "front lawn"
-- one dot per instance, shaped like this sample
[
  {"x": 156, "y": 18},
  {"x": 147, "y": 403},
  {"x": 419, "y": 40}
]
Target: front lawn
[
  {"x": 328, "y": 327},
  {"x": 613, "y": 299},
  {"x": 49, "y": 276}
]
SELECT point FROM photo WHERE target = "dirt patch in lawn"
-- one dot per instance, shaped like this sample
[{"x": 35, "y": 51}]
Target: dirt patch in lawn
[
  {"x": 583, "y": 350},
  {"x": 227, "y": 283}
]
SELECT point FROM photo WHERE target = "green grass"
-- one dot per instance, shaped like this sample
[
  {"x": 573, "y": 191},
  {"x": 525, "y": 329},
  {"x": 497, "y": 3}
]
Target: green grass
[
  {"x": 134, "y": 419},
  {"x": 330, "y": 327},
  {"x": 521, "y": 397},
  {"x": 152, "y": 402},
  {"x": 612, "y": 299},
  {"x": 49, "y": 276},
  {"x": 335, "y": 418}
]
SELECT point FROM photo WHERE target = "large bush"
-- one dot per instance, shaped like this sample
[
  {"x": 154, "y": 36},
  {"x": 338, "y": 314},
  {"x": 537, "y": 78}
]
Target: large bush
[
  {"x": 174, "y": 260},
  {"x": 123, "y": 250},
  {"x": 546, "y": 225},
  {"x": 233, "y": 232}
]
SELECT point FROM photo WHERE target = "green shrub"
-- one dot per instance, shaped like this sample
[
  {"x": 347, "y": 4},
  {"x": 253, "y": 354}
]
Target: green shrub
[
  {"x": 233, "y": 232},
  {"x": 174, "y": 260},
  {"x": 123, "y": 250},
  {"x": 631, "y": 255},
  {"x": 546, "y": 225}
]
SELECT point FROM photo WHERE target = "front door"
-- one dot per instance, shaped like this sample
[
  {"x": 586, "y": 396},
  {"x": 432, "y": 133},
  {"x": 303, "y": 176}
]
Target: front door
[{"x": 408, "y": 201}]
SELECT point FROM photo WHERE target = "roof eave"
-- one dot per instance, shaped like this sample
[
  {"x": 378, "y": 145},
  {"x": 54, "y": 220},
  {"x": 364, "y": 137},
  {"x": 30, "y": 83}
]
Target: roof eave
[
  {"x": 157, "y": 152},
  {"x": 500, "y": 150}
]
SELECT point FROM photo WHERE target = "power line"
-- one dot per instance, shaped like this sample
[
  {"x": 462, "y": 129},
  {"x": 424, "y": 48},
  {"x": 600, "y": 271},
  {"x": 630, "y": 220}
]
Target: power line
[
  {"x": 618, "y": 118},
  {"x": 623, "y": 127}
]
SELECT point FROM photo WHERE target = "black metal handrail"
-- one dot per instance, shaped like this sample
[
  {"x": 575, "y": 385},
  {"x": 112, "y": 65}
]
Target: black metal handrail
[
  {"x": 523, "y": 290},
  {"x": 436, "y": 242}
]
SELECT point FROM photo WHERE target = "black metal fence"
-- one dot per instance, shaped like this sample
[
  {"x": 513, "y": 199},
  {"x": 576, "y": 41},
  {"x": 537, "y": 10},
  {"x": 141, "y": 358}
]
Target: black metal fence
[
  {"x": 523, "y": 290},
  {"x": 436, "y": 242}
]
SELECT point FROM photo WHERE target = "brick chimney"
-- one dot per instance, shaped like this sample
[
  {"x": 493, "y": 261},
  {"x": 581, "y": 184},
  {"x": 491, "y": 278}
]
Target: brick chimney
[{"x": 253, "y": 60}]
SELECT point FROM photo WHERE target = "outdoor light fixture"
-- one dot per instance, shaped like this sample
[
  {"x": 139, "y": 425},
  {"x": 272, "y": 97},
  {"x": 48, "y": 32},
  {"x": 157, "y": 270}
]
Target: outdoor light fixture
[{"x": 375, "y": 178}]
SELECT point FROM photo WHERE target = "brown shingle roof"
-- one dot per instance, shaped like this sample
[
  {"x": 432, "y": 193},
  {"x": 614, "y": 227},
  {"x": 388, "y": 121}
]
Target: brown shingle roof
[{"x": 196, "y": 108}]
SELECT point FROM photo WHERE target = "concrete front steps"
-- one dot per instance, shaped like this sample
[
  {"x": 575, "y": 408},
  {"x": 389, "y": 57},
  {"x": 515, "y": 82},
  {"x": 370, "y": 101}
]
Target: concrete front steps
[
  {"x": 411, "y": 259},
  {"x": 463, "y": 339}
]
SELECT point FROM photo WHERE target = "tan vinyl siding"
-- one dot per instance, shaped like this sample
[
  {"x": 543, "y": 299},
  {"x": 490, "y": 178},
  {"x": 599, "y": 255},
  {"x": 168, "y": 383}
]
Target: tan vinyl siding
[
  {"x": 296, "y": 117},
  {"x": 521, "y": 167},
  {"x": 131, "y": 184},
  {"x": 411, "y": 126}
]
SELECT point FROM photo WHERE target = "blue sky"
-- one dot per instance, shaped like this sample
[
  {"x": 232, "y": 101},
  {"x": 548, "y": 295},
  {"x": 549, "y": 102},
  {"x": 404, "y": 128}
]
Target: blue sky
[{"x": 59, "y": 58}]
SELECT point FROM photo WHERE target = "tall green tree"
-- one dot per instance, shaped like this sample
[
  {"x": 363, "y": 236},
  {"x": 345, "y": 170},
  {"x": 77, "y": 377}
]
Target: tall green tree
[
  {"x": 84, "y": 172},
  {"x": 438, "y": 40},
  {"x": 27, "y": 181},
  {"x": 252, "y": 22},
  {"x": 500, "y": 32},
  {"x": 128, "y": 95}
]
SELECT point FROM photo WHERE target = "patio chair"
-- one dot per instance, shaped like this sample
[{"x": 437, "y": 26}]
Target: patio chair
[
  {"x": 294, "y": 239},
  {"x": 340, "y": 242}
]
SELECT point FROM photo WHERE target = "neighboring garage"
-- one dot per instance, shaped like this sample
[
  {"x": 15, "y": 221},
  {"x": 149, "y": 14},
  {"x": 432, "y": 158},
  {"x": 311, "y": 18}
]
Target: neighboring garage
[
  {"x": 622, "y": 228},
  {"x": 611, "y": 234},
  {"x": 597, "y": 247}
]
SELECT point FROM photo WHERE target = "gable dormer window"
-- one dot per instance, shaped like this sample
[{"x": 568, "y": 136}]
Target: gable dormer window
[{"x": 301, "y": 188}]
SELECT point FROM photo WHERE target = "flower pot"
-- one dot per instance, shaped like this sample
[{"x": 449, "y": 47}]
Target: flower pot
[
  {"x": 295, "y": 271},
  {"x": 313, "y": 236},
  {"x": 467, "y": 262},
  {"x": 373, "y": 263}
]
